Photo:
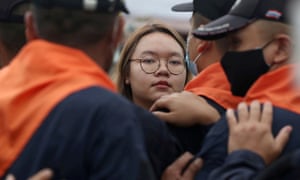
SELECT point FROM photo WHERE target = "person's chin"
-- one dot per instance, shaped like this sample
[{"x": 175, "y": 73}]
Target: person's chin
[{"x": 159, "y": 94}]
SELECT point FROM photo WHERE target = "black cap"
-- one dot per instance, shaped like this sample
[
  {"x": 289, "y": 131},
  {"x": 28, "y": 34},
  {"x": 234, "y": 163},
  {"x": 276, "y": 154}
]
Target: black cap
[
  {"x": 243, "y": 13},
  {"x": 211, "y": 9},
  {"x": 183, "y": 7},
  {"x": 7, "y": 8},
  {"x": 107, "y": 6}
]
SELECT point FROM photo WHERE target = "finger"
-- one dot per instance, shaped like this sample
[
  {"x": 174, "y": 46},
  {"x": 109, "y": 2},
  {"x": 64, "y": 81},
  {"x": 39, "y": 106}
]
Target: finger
[
  {"x": 255, "y": 111},
  {"x": 243, "y": 114},
  {"x": 187, "y": 94},
  {"x": 200, "y": 98},
  {"x": 172, "y": 95},
  {"x": 44, "y": 174},
  {"x": 267, "y": 114},
  {"x": 193, "y": 168},
  {"x": 174, "y": 170},
  {"x": 231, "y": 119},
  {"x": 10, "y": 177},
  {"x": 181, "y": 162},
  {"x": 161, "y": 103},
  {"x": 282, "y": 138},
  {"x": 165, "y": 116}
]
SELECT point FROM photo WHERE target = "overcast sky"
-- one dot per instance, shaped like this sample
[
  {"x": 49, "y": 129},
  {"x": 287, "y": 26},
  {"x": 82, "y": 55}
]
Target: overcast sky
[
  {"x": 156, "y": 8},
  {"x": 160, "y": 9}
]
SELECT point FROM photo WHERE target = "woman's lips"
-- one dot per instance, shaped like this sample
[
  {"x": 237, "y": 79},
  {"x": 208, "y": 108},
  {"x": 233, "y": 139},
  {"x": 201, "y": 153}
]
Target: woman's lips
[{"x": 162, "y": 84}]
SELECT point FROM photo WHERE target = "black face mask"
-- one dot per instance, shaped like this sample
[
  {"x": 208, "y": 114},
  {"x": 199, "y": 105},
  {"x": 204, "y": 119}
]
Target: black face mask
[{"x": 244, "y": 68}]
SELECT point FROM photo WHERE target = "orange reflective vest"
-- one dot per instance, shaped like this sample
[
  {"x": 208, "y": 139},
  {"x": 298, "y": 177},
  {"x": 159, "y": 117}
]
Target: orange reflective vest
[
  {"x": 37, "y": 79},
  {"x": 277, "y": 86},
  {"x": 213, "y": 84}
]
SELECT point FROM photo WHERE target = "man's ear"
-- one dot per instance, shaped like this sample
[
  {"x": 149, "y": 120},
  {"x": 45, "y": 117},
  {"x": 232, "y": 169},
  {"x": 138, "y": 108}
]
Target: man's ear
[
  {"x": 284, "y": 49},
  {"x": 203, "y": 45},
  {"x": 117, "y": 34},
  {"x": 30, "y": 30}
]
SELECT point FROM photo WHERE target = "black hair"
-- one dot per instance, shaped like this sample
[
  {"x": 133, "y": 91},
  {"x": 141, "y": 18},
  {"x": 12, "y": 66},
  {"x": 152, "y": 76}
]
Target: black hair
[
  {"x": 75, "y": 28},
  {"x": 12, "y": 34}
]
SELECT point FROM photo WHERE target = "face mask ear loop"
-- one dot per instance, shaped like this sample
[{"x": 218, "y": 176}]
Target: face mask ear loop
[
  {"x": 197, "y": 57},
  {"x": 267, "y": 44}
]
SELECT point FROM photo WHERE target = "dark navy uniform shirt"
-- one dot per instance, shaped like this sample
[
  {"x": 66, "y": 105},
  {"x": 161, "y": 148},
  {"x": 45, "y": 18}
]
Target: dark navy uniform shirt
[
  {"x": 191, "y": 138},
  {"x": 214, "y": 150},
  {"x": 96, "y": 134}
]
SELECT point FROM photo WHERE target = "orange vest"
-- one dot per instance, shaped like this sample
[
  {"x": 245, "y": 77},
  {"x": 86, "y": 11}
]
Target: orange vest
[
  {"x": 277, "y": 86},
  {"x": 38, "y": 78},
  {"x": 213, "y": 84}
]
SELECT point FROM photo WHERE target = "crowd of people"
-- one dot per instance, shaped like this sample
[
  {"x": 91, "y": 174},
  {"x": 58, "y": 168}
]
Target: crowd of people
[{"x": 222, "y": 105}]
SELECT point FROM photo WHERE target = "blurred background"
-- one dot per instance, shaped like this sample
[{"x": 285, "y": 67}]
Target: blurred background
[{"x": 143, "y": 11}]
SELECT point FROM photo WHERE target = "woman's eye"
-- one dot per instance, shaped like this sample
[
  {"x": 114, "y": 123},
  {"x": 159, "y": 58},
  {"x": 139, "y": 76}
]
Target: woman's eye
[
  {"x": 149, "y": 61},
  {"x": 175, "y": 62}
]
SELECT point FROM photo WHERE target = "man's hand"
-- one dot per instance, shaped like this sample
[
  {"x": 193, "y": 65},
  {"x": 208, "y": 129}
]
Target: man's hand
[
  {"x": 251, "y": 130},
  {"x": 179, "y": 170},
  {"x": 185, "y": 109},
  {"x": 44, "y": 174}
]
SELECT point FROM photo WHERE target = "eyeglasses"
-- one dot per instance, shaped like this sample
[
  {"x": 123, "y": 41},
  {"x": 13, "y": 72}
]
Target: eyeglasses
[{"x": 150, "y": 64}]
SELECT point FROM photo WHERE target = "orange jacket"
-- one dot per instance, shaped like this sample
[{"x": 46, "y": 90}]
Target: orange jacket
[
  {"x": 213, "y": 84},
  {"x": 278, "y": 87},
  {"x": 39, "y": 77}
]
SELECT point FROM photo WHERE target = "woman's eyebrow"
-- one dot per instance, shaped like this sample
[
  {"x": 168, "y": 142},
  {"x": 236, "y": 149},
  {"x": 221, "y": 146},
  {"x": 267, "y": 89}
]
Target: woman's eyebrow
[{"x": 170, "y": 54}]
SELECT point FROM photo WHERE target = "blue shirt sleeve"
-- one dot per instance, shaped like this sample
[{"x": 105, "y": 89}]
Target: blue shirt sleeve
[
  {"x": 242, "y": 164},
  {"x": 191, "y": 138},
  {"x": 214, "y": 149}
]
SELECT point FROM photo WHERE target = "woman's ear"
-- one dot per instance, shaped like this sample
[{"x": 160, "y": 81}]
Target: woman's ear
[{"x": 30, "y": 30}]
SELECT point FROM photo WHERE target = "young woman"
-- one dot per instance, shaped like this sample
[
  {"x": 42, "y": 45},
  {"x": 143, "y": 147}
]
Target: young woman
[{"x": 152, "y": 64}]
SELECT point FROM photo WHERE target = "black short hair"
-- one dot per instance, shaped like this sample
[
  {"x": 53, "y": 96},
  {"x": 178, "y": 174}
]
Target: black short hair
[
  {"x": 12, "y": 34},
  {"x": 75, "y": 28}
]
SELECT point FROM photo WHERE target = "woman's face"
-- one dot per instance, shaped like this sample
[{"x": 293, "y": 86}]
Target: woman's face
[{"x": 148, "y": 87}]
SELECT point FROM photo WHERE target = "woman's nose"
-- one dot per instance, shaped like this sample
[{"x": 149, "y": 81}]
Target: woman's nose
[{"x": 163, "y": 68}]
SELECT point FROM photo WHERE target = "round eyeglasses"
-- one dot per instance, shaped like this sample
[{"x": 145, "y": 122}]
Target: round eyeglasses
[{"x": 149, "y": 65}]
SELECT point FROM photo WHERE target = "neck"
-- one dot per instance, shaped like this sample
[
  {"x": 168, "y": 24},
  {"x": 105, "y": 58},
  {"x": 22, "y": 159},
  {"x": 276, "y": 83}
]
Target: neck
[
  {"x": 144, "y": 104},
  {"x": 5, "y": 56},
  {"x": 211, "y": 57},
  {"x": 100, "y": 54},
  {"x": 277, "y": 66}
]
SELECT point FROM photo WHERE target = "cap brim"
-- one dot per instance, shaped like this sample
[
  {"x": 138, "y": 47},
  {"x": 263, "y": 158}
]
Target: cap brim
[
  {"x": 183, "y": 7},
  {"x": 220, "y": 27},
  {"x": 123, "y": 8}
]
